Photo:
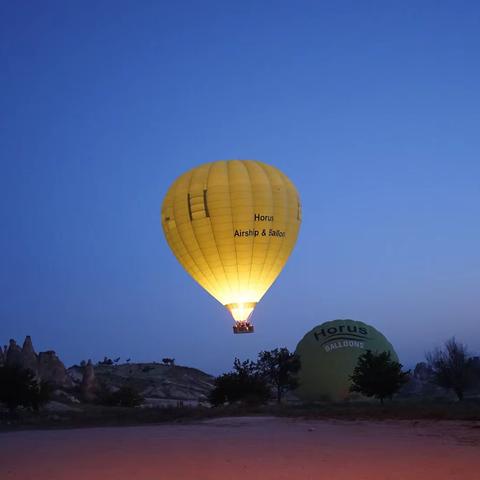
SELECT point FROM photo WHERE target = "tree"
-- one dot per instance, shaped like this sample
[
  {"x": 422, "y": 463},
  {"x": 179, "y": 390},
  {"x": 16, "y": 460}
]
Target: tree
[
  {"x": 377, "y": 375},
  {"x": 244, "y": 384},
  {"x": 106, "y": 361},
  {"x": 42, "y": 394},
  {"x": 278, "y": 367},
  {"x": 125, "y": 396},
  {"x": 19, "y": 387},
  {"x": 452, "y": 366}
]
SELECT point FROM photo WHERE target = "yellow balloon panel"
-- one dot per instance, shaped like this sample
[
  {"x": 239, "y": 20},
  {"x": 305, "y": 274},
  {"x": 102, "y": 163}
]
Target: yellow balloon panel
[{"x": 232, "y": 225}]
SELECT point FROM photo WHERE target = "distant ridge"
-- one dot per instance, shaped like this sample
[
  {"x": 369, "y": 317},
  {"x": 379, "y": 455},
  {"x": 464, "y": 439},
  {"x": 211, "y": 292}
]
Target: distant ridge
[{"x": 160, "y": 383}]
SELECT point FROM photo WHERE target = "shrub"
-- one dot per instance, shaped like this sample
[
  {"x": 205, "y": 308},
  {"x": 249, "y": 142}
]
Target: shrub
[
  {"x": 19, "y": 387},
  {"x": 126, "y": 396},
  {"x": 244, "y": 384}
]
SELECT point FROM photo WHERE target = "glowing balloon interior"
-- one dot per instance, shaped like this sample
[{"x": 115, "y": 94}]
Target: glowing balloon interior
[{"x": 232, "y": 225}]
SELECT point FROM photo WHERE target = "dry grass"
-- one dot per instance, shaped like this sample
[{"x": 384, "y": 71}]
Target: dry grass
[{"x": 92, "y": 415}]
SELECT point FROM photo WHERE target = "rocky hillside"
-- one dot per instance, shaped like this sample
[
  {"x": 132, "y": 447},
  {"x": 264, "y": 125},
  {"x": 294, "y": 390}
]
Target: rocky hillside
[
  {"x": 46, "y": 365},
  {"x": 160, "y": 384}
]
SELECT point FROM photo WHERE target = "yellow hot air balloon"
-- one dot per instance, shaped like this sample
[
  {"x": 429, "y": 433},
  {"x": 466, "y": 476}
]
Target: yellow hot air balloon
[{"x": 232, "y": 225}]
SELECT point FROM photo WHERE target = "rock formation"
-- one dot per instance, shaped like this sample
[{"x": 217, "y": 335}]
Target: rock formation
[
  {"x": 88, "y": 387},
  {"x": 14, "y": 354},
  {"x": 45, "y": 365},
  {"x": 160, "y": 384},
  {"x": 423, "y": 372},
  {"x": 29, "y": 357},
  {"x": 51, "y": 369}
]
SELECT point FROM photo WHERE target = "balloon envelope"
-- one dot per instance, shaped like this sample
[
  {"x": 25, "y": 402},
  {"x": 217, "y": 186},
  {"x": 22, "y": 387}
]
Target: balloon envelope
[
  {"x": 329, "y": 353},
  {"x": 232, "y": 225}
]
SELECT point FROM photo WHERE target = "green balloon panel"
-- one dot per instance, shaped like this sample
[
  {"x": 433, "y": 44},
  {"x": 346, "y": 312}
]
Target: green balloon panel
[{"x": 329, "y": 353}]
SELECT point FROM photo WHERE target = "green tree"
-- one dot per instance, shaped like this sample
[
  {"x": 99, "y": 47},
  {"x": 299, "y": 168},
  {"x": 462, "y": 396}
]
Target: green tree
[
  {"x": 19, "y": 387},
  {"x": 125, "y": 396},
  {"x": 278, "y": 367},
  {"x": 377, "y": 375},
  {"x": 452, "y": 366},
  {"x": 243, "y": 384}
]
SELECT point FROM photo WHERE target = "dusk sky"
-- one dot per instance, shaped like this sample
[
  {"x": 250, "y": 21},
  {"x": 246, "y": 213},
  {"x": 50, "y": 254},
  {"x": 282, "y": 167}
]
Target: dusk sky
[{"x": 371, "y": 108}]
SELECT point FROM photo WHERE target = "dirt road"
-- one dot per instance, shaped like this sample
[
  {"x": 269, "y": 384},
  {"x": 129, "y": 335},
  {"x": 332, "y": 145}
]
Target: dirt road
[{"x": 249, "y": 448}]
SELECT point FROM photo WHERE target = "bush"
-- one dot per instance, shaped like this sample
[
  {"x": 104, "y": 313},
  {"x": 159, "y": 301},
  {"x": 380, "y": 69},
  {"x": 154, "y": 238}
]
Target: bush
[
  {"x": 105, "y": 361},
  {"x": 125, "y": 396},
  {"x": 19, "y": 387},
  {"x": 244, "y": 384}
]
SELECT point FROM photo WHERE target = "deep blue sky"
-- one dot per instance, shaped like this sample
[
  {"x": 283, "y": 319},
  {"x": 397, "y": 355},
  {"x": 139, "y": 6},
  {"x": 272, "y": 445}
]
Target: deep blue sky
[{"x": 371, "y": 108}]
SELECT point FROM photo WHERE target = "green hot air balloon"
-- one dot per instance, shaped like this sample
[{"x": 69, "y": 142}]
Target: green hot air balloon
[{"x": 329, "y": 353}]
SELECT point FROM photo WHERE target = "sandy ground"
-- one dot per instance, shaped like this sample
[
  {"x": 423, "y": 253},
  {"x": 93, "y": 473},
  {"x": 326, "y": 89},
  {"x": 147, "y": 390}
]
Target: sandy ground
[{"x": 248, "y": 448}]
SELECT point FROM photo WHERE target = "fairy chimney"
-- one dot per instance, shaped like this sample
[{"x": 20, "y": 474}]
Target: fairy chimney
[
  {"x": 29, "y": 357},
  {"x": 51, "y": 369},
  {"x": 88, "y": 387},
  {"x": 14, "y": 354}
]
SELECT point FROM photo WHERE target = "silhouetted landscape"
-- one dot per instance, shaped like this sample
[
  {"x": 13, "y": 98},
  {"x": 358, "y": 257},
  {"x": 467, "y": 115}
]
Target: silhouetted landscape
[{"x": 109, "y": 392}]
